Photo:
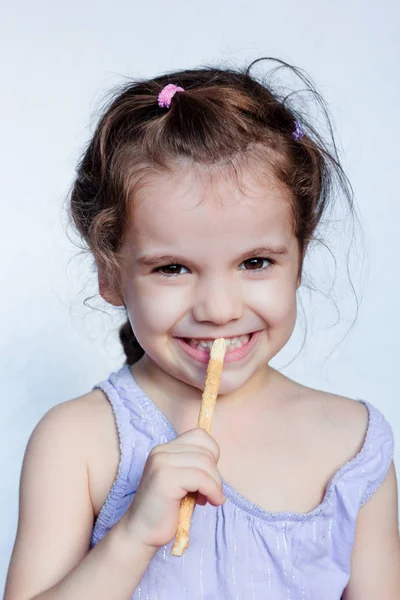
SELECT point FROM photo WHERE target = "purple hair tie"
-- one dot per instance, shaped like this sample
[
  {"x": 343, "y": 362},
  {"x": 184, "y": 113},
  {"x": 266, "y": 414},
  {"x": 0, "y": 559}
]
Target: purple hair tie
[
  {"x": 299, "y": 132},
  {"x": 165, "y": 96}
]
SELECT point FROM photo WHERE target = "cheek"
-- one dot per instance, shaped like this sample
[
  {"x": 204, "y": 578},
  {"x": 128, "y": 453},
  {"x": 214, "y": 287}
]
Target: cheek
[
  {"x": 154, "y": 309},
  {"x": 275, "y": 302}
]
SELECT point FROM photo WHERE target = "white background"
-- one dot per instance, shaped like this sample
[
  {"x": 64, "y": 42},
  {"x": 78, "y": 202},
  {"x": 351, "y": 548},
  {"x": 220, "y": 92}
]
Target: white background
[{"x": 57, "y": 61}]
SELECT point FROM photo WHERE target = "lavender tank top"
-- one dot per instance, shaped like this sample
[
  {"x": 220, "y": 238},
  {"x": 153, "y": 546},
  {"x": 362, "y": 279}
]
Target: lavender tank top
[{"x": 239, "y": 551}]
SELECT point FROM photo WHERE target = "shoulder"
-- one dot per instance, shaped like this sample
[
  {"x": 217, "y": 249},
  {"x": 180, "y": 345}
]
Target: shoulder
[
  {"x": 56, "y": 508},
  {"x": 349, "y": 428},
  {"x": 343, "y": 424},
  {"x": 351, "y": 418},
  {"x": 376, "y": 551},
  {"x": 359, "y": 422},
  {"x": 84, "y": 427},
  {"x": 338, "y": 422},
  {"x": 79, "y": 419},
  {"x": 63, "y": 440}
]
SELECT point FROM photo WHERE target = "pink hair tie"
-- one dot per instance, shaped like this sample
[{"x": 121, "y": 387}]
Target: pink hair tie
[{"x": 165, "y": 96}]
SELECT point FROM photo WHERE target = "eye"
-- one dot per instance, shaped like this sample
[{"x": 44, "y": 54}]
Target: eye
[
  {"x": 257, "y": 263},
  {"x": 171, "y": 270}
]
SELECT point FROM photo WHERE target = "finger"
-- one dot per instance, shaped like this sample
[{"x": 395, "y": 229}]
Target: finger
[
  {"x": 198, "y": 437},
  {"x": 197, "y": 480},
  {"x": 178, "y": 448},
  {"x": 184, "y": 460}
]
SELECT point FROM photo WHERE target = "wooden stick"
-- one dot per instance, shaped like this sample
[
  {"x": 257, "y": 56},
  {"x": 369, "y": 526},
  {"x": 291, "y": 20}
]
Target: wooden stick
[{"x": 209, "y": 397}]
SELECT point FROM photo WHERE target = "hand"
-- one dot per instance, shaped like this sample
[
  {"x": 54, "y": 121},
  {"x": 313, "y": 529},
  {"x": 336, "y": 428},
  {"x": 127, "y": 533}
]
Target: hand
[{"x": 187, "y": 464}]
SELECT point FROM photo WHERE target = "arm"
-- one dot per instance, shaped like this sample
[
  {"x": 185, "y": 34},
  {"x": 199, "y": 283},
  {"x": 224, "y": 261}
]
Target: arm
[
  {"x": 50, "y": 559},
  {"x": 375, "y": 562}
]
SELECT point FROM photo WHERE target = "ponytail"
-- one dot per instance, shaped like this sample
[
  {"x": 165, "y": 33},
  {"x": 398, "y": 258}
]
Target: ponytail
[{"x": 132, "y": 348}]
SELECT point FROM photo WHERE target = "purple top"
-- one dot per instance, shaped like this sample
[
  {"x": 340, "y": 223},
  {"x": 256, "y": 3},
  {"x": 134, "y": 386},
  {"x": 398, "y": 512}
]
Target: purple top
[{"x": 239, "y": 551}]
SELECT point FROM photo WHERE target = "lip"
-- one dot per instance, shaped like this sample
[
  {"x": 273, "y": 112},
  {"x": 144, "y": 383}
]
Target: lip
[{"x": 203, "y": 356}]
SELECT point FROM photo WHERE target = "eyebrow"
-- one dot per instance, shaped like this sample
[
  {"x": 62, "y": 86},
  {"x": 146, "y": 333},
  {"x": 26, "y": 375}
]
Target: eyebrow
[{"x": 152, "y": 260}]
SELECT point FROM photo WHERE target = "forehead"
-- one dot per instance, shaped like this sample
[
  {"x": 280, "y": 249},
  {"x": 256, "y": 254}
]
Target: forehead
[{"x": 193, "y": 209}]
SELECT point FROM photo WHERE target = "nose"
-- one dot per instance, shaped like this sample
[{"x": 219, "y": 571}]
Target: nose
[{"x": 217, "y": 301}]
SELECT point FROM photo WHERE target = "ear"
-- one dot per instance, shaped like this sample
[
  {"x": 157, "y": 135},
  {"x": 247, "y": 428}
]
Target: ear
[{"x": 107, "y": 292}]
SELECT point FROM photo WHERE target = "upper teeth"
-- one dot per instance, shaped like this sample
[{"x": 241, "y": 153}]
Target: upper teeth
[{"x": 235, "y": 342}]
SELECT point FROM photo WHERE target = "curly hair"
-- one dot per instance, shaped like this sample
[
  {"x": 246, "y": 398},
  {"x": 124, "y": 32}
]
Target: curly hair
[{"x": 223, "y": 115}]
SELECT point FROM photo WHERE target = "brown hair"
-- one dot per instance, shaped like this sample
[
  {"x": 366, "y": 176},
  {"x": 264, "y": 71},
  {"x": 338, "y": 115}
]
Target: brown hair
[{"x": 223, "y": 115}]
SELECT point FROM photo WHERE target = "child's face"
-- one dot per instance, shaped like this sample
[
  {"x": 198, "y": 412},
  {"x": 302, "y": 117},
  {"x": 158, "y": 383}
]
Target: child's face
[{"x": 210, "y": 230}]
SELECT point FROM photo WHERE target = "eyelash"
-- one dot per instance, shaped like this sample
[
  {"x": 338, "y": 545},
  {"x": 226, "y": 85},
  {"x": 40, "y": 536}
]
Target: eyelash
[{"x": 255, "y": 271}]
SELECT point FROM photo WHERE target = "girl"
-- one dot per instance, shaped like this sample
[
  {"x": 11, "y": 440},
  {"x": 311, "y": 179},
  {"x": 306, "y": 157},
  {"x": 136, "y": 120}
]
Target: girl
[{"x": 198, "y": 196}]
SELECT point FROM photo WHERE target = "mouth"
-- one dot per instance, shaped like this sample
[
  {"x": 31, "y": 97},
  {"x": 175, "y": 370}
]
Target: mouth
[
  {"x": 237, "y": 347},
  {"x": 232, "y": 343}
]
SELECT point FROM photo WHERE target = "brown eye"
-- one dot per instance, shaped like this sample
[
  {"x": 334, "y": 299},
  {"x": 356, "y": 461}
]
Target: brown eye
[
  {"x": 255, "y": 264},
  {"x": 171, "y": 270}
]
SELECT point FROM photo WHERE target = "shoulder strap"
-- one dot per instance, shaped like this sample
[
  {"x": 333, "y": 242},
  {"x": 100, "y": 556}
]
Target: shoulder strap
[
  {"x": 140, "y": 427},
  {"x": 378, "y": 453}
]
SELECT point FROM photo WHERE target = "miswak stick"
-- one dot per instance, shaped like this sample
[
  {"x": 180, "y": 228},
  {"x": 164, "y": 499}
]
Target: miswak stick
[{"x": 209, "y": 397}]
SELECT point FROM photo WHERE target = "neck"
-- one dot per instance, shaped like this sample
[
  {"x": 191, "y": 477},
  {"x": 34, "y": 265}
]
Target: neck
[{"x": 180, "y": 402}]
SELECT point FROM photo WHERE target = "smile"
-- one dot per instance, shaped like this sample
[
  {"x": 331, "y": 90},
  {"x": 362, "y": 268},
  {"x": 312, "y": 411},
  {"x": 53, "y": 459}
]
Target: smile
[
  {"x": 231, "y": 343},
  {"x": 237, "y": 347}
]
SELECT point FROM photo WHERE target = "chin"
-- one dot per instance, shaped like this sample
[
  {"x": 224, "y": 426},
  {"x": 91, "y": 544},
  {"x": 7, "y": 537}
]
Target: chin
[{"x": 232, "y": 382}]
